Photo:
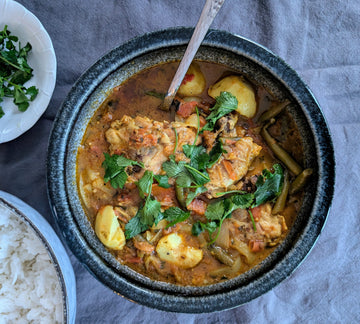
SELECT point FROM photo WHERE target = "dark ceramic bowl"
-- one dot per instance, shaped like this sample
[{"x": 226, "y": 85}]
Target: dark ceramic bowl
[{"x": 261, "y": 66}]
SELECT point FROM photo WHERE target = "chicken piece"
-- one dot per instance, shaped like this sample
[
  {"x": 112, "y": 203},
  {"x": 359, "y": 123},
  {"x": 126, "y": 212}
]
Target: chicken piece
[
  {"x": 92, "y": 189},
  {"x": 148, "y": 141},
  {"x": 227, "y": 125},
  {"x": 270, "y": 226},
  {"x": 232, "y": 165}
]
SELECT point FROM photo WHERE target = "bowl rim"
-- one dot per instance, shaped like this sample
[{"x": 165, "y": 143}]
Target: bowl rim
[
  {"x": 54, "y": 248},
  {"x": 59, "y": 199}
]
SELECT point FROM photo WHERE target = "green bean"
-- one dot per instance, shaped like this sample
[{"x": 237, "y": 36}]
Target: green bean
[
  {"x": 179, "y": 191},
  {"x": 279, "y": 152},
  {"x": 300, "y": 181},
  {"x": 221, "y": 255},
  {"x": 281, "y": 200},
  {"x": 273, "y": 111}
]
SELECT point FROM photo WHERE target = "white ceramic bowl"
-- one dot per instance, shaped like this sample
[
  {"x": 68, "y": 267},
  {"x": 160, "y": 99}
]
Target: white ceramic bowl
[
  {"x": 22, "y": 23},
  {"x": 54, "y": 247}
]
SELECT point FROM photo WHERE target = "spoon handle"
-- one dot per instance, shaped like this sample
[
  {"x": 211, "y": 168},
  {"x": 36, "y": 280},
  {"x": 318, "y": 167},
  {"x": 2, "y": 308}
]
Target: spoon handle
[{"x": 207, "y": 16}]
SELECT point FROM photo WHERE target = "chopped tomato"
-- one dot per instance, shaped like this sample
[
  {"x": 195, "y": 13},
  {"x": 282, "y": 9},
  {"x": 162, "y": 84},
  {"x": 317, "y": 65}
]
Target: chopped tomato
[
  {"x": 186, "y": 108},
  {"x": 198, "y": 206},
  {"x": 166, "y": 196}
]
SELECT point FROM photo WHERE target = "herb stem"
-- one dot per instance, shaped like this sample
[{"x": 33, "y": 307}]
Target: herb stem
[
  {"x": 252, "y": 220},
  {"x": 197, "y": 171},
  {"x": 176, "y": 140}
]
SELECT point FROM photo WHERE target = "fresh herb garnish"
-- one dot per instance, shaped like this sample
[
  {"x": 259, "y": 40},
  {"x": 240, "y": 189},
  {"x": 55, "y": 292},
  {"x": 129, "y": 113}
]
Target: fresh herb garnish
[
  {"x": 15, "y": 72},
  {"x": 225, "y": 103},
  {"x": 269, "y": 186},
  {"x": 115, "y": 169},
  {"x": 149, "y": 211},
  {"x": 175, "y": 215},
  {"x": 193, "y": 175},
  {"x": 162, "y": 180}
]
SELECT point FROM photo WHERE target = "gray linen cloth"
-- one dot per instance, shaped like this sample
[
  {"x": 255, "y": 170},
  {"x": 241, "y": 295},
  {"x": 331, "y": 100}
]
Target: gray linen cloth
[{"x": 320, "y": 40}]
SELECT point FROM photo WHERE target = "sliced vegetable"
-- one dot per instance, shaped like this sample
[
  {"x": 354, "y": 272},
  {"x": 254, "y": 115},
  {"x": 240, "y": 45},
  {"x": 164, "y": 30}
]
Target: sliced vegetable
[
  {"x": 300, "y": 181},
  {"x": 221, "y": 255},
  {"x": 279, "y": 152},
  {"x": 273, "y": 111},
  {"x": 281, "y": 199}
]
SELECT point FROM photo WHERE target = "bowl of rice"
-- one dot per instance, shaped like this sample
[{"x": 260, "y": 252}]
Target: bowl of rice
[{"x": 37, "y": 281}]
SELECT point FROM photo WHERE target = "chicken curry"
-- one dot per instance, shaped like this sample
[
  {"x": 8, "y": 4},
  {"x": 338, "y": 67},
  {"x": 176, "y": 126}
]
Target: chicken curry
[{"x": 198, "y": 199}]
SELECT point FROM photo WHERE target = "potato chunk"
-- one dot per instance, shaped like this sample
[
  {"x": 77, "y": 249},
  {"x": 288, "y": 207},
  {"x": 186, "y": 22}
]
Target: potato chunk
[
  {"x": 172, "y": 248},
  {"x": 243, "y": 92},
  {"x": 108, "y": 230},
  {"x": 194, "y": 82}
]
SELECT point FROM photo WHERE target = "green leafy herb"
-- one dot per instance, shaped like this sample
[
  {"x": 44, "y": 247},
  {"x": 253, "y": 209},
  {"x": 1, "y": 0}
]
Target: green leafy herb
[
  {"x": 200, "y": 227},
  {"x": 149, "y": 213},
  {"x": 193, "y": 194},
  {"x": 135, "y": 226},
  {"x": 225, "y": 103},
  {"x": 115, "y": 169},
  {"x": 162, "y": 180},
  {"x": 218, "y": 211},
  {"x": 269, "y": 185},
  {"x": 175, "y": 215},
  {"x": 15, "y": 72}
]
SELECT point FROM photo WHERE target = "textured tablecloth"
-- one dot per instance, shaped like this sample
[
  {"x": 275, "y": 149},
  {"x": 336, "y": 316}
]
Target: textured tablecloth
[{"x": 320, "y": 40}]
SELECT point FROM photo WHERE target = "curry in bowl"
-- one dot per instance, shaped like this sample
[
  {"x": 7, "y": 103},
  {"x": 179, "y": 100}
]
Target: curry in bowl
[{"x": 199, "y": 199}]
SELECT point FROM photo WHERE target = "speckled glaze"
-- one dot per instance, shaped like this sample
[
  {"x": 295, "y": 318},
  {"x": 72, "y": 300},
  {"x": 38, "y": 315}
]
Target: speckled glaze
[{"x": 260, "y": 66}]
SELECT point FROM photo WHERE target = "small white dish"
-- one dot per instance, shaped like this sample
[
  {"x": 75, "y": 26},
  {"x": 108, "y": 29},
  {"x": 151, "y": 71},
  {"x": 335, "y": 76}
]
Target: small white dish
[
  {"x": 22, "y": 23},
  {"x": 54, "y": 247}
]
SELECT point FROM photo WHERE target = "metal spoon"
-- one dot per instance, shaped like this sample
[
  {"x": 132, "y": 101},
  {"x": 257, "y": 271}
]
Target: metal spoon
[{"x": 207, "y": 16}]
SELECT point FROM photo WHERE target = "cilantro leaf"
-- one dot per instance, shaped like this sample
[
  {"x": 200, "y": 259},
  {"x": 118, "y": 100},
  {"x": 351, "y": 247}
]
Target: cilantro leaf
[
  {"x": 162, "y": 180},
  {"x": 243, "y": 201},
  {"x": 215, "y": 211},
  {"x": 115, "y": 169},
  {"x": 225, "y": 103},
  {"x": 172, "y": 168},
  {"x": 192, "y": 194},
  {"x": 145, "y": 184},
  {"x": 269, "y": 185},
  {"x": 200, "y": 227},
  {"x": 198, "y": 177},
  {"x": 15, "y": 71},
  {"x": 150, "y": 211},
  {"x": 215, "y": 154},
  {"x": 135, "y": 226},
  {"x": 175, "y": 215}
]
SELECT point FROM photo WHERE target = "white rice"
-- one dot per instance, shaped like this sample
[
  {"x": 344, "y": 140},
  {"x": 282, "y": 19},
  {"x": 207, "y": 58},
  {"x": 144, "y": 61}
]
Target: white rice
[{"x": 30, "y": 290}]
